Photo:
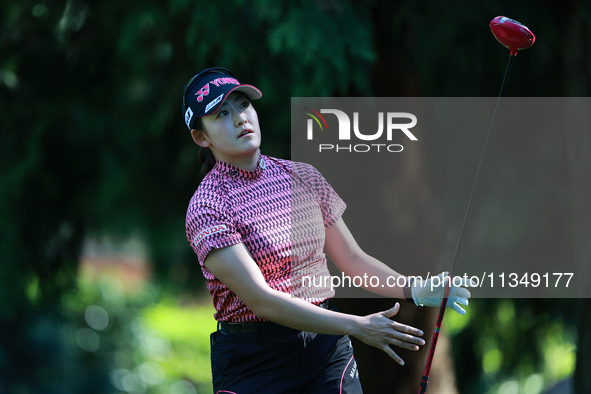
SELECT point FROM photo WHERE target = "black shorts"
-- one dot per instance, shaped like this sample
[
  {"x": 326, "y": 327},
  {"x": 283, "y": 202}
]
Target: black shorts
[{"x": 283, "y": 361}]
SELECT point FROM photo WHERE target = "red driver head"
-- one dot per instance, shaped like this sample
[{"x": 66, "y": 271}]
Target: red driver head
[{"x": 512, "y": 34}]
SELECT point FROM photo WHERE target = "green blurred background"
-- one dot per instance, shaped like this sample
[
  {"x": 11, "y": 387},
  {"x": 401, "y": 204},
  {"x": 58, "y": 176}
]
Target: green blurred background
[{"x": 100, "y": 291}]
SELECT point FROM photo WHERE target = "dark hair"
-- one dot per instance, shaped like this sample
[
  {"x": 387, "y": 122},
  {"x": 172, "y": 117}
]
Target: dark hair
[{"x": 205, "y": 155}]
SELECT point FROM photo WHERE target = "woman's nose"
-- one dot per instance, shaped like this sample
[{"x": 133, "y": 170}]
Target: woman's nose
[{"x": 241, "y": 119}]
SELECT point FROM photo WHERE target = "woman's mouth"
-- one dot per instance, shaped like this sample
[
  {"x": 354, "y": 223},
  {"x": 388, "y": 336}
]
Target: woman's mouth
[{"x": 245, "y": 132}]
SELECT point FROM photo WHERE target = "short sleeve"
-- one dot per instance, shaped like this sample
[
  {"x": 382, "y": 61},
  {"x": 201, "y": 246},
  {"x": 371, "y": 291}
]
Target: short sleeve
[
  {"x": 209, "y": 227},
  {"x": 331, "y": 204}
]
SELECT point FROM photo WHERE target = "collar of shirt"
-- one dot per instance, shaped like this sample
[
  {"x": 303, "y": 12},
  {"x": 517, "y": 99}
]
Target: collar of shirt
[{"x": 235, "y": 172}]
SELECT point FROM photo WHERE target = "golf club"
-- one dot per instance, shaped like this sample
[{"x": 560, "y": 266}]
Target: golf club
[{"x": 515, "y": 37}]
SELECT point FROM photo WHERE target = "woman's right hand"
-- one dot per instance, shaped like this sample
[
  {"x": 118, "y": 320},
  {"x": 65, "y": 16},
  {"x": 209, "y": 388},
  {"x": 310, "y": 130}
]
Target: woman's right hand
[{"x": 380, "y": 331}]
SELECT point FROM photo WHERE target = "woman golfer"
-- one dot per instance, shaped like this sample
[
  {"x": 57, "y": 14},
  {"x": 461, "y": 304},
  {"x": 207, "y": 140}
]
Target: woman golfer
[{"x": 259, "y": 225}]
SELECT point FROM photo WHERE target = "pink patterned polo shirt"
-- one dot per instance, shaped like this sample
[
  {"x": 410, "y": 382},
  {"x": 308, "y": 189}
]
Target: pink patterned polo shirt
[{"x": 279, "y": 212}]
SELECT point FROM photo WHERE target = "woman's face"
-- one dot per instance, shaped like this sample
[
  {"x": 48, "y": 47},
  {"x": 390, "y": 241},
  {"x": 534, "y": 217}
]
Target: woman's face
[{"x": 232, "y": 132}]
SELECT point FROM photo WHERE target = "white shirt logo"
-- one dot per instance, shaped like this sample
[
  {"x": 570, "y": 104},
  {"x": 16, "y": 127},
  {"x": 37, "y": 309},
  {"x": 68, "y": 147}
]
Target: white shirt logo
[{"x": 209, "y": 231}]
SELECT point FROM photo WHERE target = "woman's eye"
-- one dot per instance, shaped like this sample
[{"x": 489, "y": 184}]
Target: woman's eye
[
  {"x": 245, "y": 104},
  {"x": 223, "y": 113}
]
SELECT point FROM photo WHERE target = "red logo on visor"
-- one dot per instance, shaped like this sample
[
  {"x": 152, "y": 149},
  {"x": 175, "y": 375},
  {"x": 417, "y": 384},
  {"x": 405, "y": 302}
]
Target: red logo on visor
[{"x": 204, "y": 91}]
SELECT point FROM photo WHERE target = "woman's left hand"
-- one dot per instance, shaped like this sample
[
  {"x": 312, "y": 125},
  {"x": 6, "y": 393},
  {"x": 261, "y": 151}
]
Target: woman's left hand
[{"x": 431, "y": 292}]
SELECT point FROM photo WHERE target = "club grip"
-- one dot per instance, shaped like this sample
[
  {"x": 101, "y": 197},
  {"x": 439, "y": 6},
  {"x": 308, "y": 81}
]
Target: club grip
[{"x": 423, "y": 385}]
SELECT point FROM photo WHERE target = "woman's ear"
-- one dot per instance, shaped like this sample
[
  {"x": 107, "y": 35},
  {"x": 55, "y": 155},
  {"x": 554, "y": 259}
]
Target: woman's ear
[{"x": 200, "y": 138}]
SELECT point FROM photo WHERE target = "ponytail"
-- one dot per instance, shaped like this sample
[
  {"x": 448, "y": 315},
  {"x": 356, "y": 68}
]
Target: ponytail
[
  {"x": 207, "y": 160},
  {"x": 205, "y": 155}
]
